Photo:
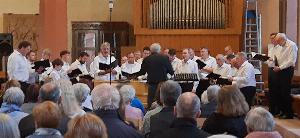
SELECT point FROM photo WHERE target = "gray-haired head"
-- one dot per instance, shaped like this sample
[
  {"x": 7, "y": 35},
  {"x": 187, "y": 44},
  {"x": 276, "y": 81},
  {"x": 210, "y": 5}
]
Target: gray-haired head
[
  {"x": 212, "y": 92},
  {"x": 259, "y": 119},
  {"x": 14, "y": 95},
  {"x": 155, "y": 48},
  {"x": 188, "y": 105},
  {"x": 169, "y": 92},
  {"x": 49, "y": 92},
  {"x": 242, "y": 55},
  {"x": 222, "y": 136},
  {"x": 81, "y": 91},
  {"x": 128, "y": 93},
  {"x": 8, "y": 127},
  {"x": 106, "y": 97}
]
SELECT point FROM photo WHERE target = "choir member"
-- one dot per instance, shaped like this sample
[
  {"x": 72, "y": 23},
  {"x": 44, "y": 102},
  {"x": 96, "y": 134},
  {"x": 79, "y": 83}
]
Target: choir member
[
  {"x": 131, "y": 66},
  {"x": 222, "y": 68},
  {"x": 56, "y": 73},
  {"x": 192, "y": 54},
  {"x": 146, "y": 53},
  {"x": 80, "y": 63},
  {"x": 65, "y": 56}
]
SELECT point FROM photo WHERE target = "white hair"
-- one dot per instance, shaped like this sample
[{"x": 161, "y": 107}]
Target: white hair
[
  {"x": 212, "y": 92},
  {"x": 155, "y": 48},
  {"x": 188, "y": 105},
  {"x": 106, "y": 97},
  {"x": 14, "y": 95},
  {"x": 242, "y": 55},
  {"x": 259, "y": 119},
  {"x": 81, "y": 91},
  {"x": 8, "y": 127},
  {"x": 128, "y": 93},
  {"x": 69, "y": 102}
]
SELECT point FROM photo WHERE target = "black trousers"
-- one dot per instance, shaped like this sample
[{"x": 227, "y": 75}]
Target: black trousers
[
  {"x": 186, "y": 87},
  {"x": 284, "y": 84},
  {"x": 249, "y": 92},
  {"x": 24, "y": 86},
  {"x": 203, "y": 85},
  {"x": 152, "y": 88},
  {"x": 274, "y": 93}
]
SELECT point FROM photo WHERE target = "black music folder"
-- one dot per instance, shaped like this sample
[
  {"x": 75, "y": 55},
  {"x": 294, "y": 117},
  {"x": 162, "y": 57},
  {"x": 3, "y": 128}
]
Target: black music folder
[
  {"x": 130, "y": 76},
  {"x": 44, "y": 63},
  {"x": 213, "y": 76},
  {"x": 223, "y": 81},
  {"x": 75, "y": 73},
  {"x": 276, "y": 61},
  {"x": 201, "y": 64},
  {"x": 103, "y": 66},
  {"x": 88, "y": 77},
  {"x": 259, "y": 57}
]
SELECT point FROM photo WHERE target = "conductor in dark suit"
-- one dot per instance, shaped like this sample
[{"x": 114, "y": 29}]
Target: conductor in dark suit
[{"x": 157, "y": 66}]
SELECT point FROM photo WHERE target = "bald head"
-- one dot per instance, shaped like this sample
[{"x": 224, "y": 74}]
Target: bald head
[
  {"x": 280, "y": 39},
  {"x": 188, "y": 105},
  {"x": 228, "y": 50},
  {"x": 49, "y": 92},
  {"x": 220, "y": 59}
]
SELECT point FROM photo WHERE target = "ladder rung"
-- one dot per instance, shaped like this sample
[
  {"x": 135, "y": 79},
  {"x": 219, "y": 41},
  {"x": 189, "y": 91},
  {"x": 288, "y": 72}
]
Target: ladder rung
[
  {"x": 251, "y": 24},
  {"x": 251, "y": 31},
  {"x": 251, "y": 46},
  {"x": 251, "y": 38}
]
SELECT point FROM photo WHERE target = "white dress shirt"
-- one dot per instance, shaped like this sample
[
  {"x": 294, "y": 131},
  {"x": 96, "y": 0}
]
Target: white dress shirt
[
  {"x": 77, "y": 65},
  {"x": 245, "y": 75},
  {"x": 33, "y": 76},
  {"x": 175, "y": 62},
  {"x": 233, "y": 71},
  {"x": 131, "y": 68},
  {"x": 272, "y": 52},
  {"x": 18, "y": 67},
  {"x": 195, "y": 58},
  {"x": 56, "y": 75},
  {"x": 104, "y": 60},
  {"x": 210, "y": 63},
  {"x": 140, "y": 61},
  {"x": 288, "y": 55},
  {"x": 64, "y": 70},
  {"x": 224, "y": 70},
  {"x": 189, "y": 66}
]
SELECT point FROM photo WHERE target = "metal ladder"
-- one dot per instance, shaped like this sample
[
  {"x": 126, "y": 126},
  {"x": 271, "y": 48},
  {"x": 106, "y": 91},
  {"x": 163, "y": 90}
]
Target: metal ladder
[{"x": 252, "y": 40}]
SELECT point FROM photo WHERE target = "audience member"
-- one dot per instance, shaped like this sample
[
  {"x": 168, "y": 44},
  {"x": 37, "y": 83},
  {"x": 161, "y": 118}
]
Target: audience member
[
  {"x": 46, "y": 117},
  {"x": 8, "y": 127},
  {"x": 128, "y": 93},
  {"x": 31, "y": 98},
  {"x": 106, "y": 101},
  {"x": 8, "y": 84},
  {"x": 211, "y": 105},
  {"x": 260, "y": 124},
  {"x": 82, "y": 92},
  {"x": 12, "y": 101},
  {"x": 185, "y": 125},
  {"x": 169, "y": 92},
  {"x": 229, "y": 116},
  {"x": 86, "y": 126},
  {"x": 221, "y": 136}
]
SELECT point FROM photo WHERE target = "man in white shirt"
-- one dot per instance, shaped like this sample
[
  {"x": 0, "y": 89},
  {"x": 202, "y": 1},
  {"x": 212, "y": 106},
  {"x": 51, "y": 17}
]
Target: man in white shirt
[
  {"x": 80, "y": 63},
  {"x": 222, "y": 68},
  {"x": 208, "y": 60},
  {"x": 285, "y": 69},
  {"x": 172, "y": 57},
  {"x": 245, "y": 78},
  {"x": 33, "y": 75},
  {"x": 273, "y": 53},
  {"x": 104, "y": 57},
  {"x": 130, "y": 66},
  {"x": 56, "y": 73},
  {"x": 65, "y": 56},
  {"x": 137, "y": 55},
  {"x": 232, "y": 61},
  {"x": 187, "y": 66},
  {"x": 146, "y": 53},
  {"x": 192, "y": 54},
  {"x": 17, "y": 65}
]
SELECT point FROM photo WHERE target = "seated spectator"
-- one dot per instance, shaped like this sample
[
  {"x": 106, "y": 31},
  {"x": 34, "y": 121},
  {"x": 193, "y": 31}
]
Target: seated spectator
[
  {"x": 229, "y": 116},
  {"x": 260, "y": 124},
  {"x": 48, "y": 92},
  {"x": 136, "y": 102},
  {"x": 46, "y": 117},
  {"x": 8, "y": 127},
  {"x": 31, "y": 98},
  {"x": 185, "y": 125},
  {"x": 157, "y": 109},
  {"x": 12, "y": 101},
  {"x": 169, "y": 92},
  {"x": 69, "y": 104},
  {"x": 208, "y": 108},
  {"x": 86, "y": 126},
  {"x": 82, "y": 91},
  {"x": 106, "y": 101},
  {"x": 128, "y": 93},
  {"x": 8, "y": 84},
  {"x": 222, "y": 136}
]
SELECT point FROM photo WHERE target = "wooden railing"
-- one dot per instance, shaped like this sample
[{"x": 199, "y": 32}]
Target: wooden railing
[{"x": 185, "y": 14}]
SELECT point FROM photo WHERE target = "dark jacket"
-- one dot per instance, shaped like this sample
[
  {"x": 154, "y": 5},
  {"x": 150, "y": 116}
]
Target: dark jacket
[
  {"x": 208, "y": 109},
  {"x": 27, "y": 127},
  {"x": 157, "y": 66},
  {"x": 184, "y": 128},
  {"x": 219, "y": 124},
  {"x": 116, "y": 128},
  {"x": 161, "y": 121}
]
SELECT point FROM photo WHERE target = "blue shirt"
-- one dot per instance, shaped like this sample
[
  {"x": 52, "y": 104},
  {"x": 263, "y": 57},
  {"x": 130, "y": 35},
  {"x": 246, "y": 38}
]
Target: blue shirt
[{"x": 138, "y": 104}]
